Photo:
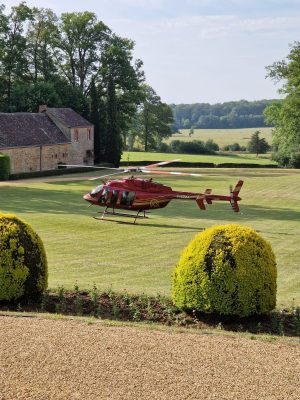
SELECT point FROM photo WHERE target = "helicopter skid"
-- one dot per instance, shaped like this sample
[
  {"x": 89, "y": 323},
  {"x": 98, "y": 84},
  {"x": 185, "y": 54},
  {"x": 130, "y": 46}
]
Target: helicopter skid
[{"x": 119, "y": 214}]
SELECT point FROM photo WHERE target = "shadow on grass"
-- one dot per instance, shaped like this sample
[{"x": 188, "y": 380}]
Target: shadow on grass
[
  {"x": 23, "y": 199},
  {"x": 144, "y": 223},
  {"x": 224, "y": 212}
]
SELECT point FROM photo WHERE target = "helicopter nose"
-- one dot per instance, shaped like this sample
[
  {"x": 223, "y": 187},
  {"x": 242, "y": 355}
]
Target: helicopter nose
[{"x": 88, "y": 197}]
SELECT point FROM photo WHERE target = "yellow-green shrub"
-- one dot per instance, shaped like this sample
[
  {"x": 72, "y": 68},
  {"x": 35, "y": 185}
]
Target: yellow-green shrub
[
  {"x": 23, "y": 263},
  {"x": 227, "y": 269}
]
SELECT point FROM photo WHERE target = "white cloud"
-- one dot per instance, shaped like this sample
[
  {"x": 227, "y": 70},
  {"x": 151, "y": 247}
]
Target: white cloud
[{"x": 220, "y": 25}]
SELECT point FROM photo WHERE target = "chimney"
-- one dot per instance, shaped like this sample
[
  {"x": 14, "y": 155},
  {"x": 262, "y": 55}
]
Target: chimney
[{"x": 42, "y": 108}]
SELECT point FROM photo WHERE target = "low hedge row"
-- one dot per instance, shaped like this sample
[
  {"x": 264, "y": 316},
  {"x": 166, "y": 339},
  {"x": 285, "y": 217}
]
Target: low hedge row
[
  {"x": 52, "y": 172},
  {"x": 245, "y": 165},
  {"x": 184, "y": 164}
]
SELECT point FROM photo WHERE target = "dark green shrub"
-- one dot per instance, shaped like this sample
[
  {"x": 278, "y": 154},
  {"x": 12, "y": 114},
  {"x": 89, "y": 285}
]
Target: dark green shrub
[
  {"x": 234, "y": 147},
  {"x": 212, "y": 146},
  {"x": 4, "y": 167},
  {"x": 193, "y": 147},
  {"x": 23, "y": 264},
  {"x": 163, "y": 148},
  {"x": 294, "y": 161},
  {"x": 229, "y": 270}
]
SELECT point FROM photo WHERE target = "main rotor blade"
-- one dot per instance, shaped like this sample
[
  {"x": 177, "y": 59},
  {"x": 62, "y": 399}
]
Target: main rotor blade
[
  {"x": 104, "y": 176},
  {"x": 168, "y": 172},
  {"x": 161, "y": 163}
]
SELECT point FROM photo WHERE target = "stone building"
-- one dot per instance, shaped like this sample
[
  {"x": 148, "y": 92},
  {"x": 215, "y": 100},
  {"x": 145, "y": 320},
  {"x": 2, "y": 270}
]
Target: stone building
[{"x": 40, "y": 141}]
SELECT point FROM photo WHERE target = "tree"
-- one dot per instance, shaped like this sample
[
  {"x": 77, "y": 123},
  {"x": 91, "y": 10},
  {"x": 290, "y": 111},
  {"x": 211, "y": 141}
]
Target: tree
[
  {"x": 155, "y": 118},
  {"x": 80, "y": 42},
  {"x": 285, "y": 116},
  {"x": 13, "y": 51},
  {"x": 41, "y": 35},
  {"x": 257, "y": 145},
  {"x": 120, "y": 80},
  {"x": 28, "y": 97},
  {"x": 98, "y": 116},
  {"x": 113, "y": 146}
]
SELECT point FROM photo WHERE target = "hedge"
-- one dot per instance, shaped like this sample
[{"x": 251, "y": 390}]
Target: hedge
[
  {"x": 4, "y": 167},
  {"x": 23, "y": 263},
  {"x": 230, "y": 270}
]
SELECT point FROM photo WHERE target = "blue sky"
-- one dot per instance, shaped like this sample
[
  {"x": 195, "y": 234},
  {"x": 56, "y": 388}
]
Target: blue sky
[{"x": 200, "y": 50}]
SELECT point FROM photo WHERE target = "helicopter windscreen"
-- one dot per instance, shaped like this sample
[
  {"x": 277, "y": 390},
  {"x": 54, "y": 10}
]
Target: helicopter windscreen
[{"x": 96, "y": 190}]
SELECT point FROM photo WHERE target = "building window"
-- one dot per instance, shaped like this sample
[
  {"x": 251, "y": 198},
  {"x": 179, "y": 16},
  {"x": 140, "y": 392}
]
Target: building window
[
  {"x": 76, "y": 135},
  {"x": 89, "y": 134}
]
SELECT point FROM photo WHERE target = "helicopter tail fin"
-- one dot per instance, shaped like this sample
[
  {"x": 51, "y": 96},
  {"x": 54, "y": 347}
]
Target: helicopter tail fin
[
  {"x": 200, "y": 202},
  {"x": 234, "y": 196}
]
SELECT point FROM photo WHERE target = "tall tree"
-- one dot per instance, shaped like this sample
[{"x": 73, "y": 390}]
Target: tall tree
[
  {"x": 120, "y": 79},
  {"x": 113, "y": 146},
  {"x": 81, "y": 40},
  {"x": 13, "y": 61},
  {"x": 156, "y": 119},
  {"x": 41, "y": 35},
  {"x": 286, "y": 116},
  {"x": 98, "y": 117}
]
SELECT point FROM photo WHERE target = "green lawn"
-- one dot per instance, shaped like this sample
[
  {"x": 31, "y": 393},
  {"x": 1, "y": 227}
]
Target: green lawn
[
  {"x": 223, "y": 136},
  {"x": 140, "y": 257},
  {"x": 217, "y": 158}
]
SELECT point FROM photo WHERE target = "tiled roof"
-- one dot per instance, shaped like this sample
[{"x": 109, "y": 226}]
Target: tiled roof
[
  {"x": 68, "y": 117},
  {"x": 28, "y": 129}
]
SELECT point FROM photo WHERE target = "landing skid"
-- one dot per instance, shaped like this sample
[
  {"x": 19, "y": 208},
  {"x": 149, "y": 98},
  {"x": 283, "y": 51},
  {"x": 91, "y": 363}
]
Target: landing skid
[{"x": 119, "y": 214}]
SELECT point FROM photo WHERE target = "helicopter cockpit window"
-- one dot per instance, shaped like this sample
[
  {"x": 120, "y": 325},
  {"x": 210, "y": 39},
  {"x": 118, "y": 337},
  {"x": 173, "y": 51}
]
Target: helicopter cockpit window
[
  {"x": 127, "y": 198},
  {"x": 96, "y": 190},
  {"x": 114, "y": 196},
  {"x": 104, "y": 196}
]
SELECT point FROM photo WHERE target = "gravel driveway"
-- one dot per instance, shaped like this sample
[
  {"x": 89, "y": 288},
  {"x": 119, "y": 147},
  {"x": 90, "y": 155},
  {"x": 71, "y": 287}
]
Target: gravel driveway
[{"x": 64, "y": 359}]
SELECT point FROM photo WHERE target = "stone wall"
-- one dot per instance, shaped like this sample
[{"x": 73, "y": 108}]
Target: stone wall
[
  {"x": 82, "y": 151},
  {"x": 38, "y": 158}
]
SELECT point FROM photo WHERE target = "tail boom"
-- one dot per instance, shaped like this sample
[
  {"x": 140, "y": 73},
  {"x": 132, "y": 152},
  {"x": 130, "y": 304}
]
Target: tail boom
[
  {"x": 208, "y": 198},
  {"x": 233, "y": 198}
]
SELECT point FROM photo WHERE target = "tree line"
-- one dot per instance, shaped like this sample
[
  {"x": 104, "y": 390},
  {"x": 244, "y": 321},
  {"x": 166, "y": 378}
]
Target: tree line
[
  {"x": 234, "y": 114},
  {"x": 74, "y": 60}
]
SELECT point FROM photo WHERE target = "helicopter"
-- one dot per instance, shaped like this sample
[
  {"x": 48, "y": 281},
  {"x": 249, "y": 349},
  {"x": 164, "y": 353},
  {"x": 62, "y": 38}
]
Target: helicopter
[{"x": 139, "y": 195}]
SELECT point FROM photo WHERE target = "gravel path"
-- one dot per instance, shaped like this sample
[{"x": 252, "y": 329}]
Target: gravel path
[{"x": 45, "y": 359}]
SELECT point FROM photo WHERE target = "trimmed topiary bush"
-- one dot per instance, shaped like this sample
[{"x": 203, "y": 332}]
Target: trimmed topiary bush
[
  {"x": 229, "y": 270},
  {"x": 4, "y": 167},
  {"x": 23, "y": 263}
]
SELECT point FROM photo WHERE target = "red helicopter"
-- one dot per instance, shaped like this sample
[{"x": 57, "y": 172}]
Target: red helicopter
[{"x": 140, "y": 195}]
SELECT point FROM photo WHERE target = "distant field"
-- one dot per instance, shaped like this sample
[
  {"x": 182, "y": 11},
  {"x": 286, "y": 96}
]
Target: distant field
[
  {"x": 141, "y": 258},
  {"x": 223, "y": 136},
  {"x": 217, "y": 159}
]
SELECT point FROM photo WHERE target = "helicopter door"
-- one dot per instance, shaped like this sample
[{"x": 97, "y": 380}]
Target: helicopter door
[
  {"x": 127, "y": 198},
  {"x": 114, "y": 197}
]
